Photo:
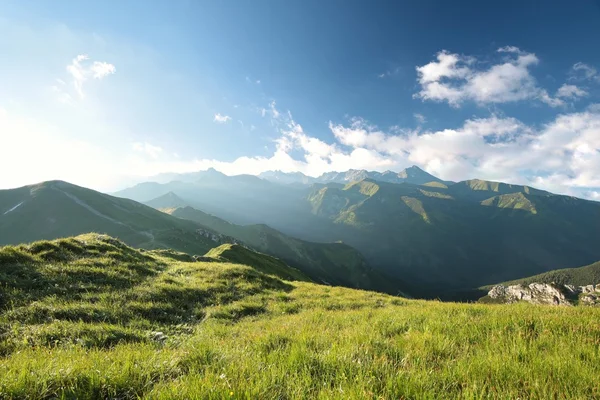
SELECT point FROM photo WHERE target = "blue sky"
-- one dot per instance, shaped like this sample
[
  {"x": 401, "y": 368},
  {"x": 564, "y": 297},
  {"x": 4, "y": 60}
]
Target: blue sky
[{"x": 106, "y": 93}]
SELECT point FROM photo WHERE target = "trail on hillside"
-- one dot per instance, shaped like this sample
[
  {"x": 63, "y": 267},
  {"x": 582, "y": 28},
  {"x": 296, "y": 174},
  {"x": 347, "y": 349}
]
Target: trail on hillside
[
  {"x": 88, "y": 207},
  {"x": 14, "y": 208}
]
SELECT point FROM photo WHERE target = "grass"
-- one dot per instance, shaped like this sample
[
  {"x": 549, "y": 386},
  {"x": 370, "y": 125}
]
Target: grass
[
  {"x": 270, "y": 265},
  {"x": 79, "y": 319}
]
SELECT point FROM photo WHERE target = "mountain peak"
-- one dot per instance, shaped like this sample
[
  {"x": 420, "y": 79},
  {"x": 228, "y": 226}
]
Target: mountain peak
[
  {"x": 212, "y": 171},
  {"x": 167, "y": 200}
]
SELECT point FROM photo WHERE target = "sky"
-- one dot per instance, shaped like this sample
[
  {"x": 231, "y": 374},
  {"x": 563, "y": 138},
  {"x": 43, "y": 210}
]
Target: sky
[{"x": 107, "y": 94}]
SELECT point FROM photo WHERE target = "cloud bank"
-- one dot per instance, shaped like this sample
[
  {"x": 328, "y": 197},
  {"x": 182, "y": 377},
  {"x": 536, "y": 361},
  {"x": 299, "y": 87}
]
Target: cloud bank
[{"x": 456, "y": 79}]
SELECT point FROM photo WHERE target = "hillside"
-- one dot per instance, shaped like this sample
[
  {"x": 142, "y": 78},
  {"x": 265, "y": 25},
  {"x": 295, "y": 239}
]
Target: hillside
[
  {"x": 57, "y": 209},
  {"x": 89, "y": 317},
  {"x": 333, "y": 263},
  {"x": 238, "y": 254},
  {"x": 449, "y": 237},
  {"x": 581, "y": 276}
]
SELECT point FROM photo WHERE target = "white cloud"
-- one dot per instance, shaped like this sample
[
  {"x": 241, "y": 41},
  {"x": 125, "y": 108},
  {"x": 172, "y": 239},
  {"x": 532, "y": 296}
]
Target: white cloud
[
  {"x": 100, "y": 69},
  {"x": 389, "y": 72},
  {"x": 456, "y": 78},
  {"x": 221, "y": 119},
  {"x": 509, "y": 49},
  {"x": 147, "y": 148},
  {"x": 594, "y": 195},
  {"x": 81, "y": 70},
  {"x": 582, "y": 71},
  {"x": 420, "y": 118},
  {"x": 570, "y": 91},
  {"x": 274, "y": 111},
  {"x": 562, "y": 156}
]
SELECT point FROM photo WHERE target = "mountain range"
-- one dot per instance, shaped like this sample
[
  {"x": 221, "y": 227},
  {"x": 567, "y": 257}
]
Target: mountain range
[
  {"x": 439, "y": 236},
  {"x": 56, "y": 209},
  {"x": 412, "y": 174},
  {"x": 407, "y": 232}
]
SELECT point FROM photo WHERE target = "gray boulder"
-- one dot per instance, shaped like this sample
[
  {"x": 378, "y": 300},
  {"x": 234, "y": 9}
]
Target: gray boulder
[{"x": 536, "y": 293}]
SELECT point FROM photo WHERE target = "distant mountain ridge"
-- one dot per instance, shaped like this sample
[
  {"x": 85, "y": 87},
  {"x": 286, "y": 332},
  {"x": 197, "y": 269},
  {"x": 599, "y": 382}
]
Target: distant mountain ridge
[{"x": 414, "y": 175}]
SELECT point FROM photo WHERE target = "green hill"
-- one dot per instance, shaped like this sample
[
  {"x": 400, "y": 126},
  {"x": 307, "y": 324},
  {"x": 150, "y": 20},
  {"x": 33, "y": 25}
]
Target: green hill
[
  {"x": 90, "y": 317},
  {"x": 238, "y": 254},
  {"x": 56, "y": 209},
  {"x": 333, "y": 263},
  {"x": 581, "y": 276}
]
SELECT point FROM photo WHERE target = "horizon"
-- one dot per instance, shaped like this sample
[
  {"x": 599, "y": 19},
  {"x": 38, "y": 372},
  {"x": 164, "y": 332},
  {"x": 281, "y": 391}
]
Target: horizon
[
  {"x": 481, "y": 92},
  {"x": 115, "y": 192}
]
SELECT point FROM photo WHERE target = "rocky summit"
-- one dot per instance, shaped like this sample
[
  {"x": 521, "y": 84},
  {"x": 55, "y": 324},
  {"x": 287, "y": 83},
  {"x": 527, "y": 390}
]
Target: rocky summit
[{"x": 547, "y": 293}]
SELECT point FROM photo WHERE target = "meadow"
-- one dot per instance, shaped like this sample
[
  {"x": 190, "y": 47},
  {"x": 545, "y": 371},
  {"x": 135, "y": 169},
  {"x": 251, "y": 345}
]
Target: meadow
[{"x": 89, "y": 317}]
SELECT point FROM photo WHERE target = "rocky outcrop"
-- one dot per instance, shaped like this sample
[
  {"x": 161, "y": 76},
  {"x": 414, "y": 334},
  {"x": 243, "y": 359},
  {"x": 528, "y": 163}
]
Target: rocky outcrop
[{"x": 547, "y": 293}]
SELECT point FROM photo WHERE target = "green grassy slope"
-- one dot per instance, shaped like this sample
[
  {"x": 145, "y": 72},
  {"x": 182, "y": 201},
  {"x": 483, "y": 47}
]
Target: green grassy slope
[
  {"x": 89, "y": 317},
  {"x": 334, "y": 263},
  {"x": 581, "y": 276},
  {"x": 239, "y": 254},
  {"x": 56, "y": 209}
]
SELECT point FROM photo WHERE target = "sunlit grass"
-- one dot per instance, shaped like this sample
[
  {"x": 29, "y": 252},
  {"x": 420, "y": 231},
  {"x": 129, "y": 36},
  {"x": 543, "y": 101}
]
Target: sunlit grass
[{"x": 233, "y": 332}]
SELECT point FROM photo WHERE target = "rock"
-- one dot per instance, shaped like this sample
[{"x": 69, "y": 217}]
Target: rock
[
  {"x": 590, "y": 299},
  {"x": 572, "y": 289},
  {"x": 158, "y": 336},
  {"x": 545, "y": 293},
  {"x": 587, "y": 289},
  {"x": 497, "y": 292},
  {"x": 536, "y": 293}
]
